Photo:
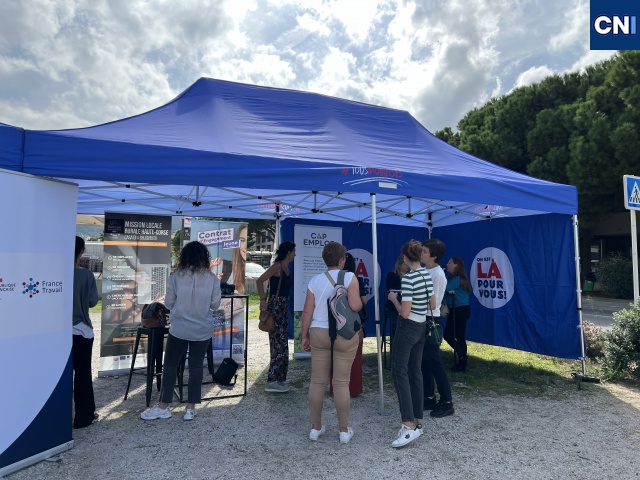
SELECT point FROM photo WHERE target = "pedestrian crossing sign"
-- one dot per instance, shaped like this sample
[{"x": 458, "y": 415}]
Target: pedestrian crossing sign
[{"x": 631, "y": 192}]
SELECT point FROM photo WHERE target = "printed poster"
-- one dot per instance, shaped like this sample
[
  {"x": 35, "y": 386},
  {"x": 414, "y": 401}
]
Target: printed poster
[
  {"x": 136, "y": 267},
  {"x": 227, "y": 243},
  {"x": 309, "y": 240}
]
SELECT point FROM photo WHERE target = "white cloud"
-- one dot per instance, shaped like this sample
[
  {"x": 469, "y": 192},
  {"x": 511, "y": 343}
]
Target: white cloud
[
  {"x": 72, "y": 63},
  {"x": 533, "y": 75}
]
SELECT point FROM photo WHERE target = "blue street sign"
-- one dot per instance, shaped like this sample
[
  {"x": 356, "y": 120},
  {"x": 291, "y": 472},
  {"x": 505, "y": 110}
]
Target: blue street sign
[{"x": 631, "y": 192}]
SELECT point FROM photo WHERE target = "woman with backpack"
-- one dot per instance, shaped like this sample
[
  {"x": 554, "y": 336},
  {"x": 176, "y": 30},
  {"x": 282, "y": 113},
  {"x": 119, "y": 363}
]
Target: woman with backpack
[
  {"x": 315, "y": 339},
  {"x": 408, "y": 342}
]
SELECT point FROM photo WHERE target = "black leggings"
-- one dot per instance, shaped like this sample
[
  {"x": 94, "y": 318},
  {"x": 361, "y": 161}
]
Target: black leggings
[{"x": 457, "y": 339}]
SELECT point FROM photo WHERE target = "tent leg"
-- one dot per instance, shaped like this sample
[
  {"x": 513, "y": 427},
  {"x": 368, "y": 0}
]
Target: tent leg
[
  {"x": 583, "y": 358},
  {"x": 374, "y": 243}
]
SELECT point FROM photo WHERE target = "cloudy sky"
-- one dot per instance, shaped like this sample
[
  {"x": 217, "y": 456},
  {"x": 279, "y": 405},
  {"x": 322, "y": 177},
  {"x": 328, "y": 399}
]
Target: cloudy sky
[{"x": 75, "y": 63}]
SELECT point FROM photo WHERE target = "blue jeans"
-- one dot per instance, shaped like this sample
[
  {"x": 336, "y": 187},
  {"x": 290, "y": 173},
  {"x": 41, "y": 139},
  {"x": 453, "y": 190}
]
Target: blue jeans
[
  {"x": 176, "y": 348},
  {"x": 406, "y": 357},
  {"x": 434, "y": 373}
]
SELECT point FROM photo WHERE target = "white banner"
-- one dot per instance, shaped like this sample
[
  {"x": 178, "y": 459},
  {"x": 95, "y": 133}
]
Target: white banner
[
  {"x": 36, "y": 304},
  {"x": 309, "y": 240}
]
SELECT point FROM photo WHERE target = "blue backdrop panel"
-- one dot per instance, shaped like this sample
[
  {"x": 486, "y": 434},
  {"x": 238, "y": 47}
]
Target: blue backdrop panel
[{"x": 541, "y": 314}]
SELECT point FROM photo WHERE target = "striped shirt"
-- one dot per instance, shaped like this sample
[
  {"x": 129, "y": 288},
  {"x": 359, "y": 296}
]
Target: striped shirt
[{"x": 417, "y": 288}]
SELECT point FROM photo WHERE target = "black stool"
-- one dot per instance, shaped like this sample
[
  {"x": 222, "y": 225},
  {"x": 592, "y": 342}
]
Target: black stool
[
  {"x": 181, "y": 365},
  {"x": 155, "y": 347}
]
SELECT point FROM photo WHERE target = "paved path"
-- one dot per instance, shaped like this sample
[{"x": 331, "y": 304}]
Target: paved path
[{"x": 599, "y": 310}]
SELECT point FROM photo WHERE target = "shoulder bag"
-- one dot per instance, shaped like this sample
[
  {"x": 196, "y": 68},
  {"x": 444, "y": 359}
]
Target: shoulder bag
[
  {"x": 267, "y": 322},
  {"x": 434, "y": 329}
]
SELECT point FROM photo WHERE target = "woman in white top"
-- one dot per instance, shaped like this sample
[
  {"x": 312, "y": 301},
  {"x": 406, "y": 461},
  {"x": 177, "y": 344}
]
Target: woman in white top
[
  {"x": 192, "y": 293},
  {"x": 315, "y": 339}
]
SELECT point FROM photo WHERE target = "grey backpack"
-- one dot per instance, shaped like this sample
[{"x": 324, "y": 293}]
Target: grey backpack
[{"x": 342, "y": 320}]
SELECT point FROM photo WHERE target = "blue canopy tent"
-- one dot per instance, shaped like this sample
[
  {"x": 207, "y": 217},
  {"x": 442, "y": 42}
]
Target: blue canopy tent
[{"x": 233, "y": 150}]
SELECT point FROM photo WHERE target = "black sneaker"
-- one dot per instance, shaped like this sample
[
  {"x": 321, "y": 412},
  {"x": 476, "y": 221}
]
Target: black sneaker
[
  {"x": 443, "y": 409},
  {"x": 430, "y": 403}
]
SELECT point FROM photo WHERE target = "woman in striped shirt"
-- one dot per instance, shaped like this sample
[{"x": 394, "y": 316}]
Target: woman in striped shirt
[{"x": 408, "y": 342}]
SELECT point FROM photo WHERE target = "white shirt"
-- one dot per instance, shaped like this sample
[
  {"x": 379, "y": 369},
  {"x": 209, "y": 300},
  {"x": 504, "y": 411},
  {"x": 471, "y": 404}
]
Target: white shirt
[
  {"x": 321, "y": 288},
  {"x": 439, "y": 286}
]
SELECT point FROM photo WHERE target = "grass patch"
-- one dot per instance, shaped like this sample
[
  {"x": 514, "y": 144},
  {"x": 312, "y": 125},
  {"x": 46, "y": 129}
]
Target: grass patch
[
  {"x": 97, "y": 308},
  {"x": 494, "y": 370}
]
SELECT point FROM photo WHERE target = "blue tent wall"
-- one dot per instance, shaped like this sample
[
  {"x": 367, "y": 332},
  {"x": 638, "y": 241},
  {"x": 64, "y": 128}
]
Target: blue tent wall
[
  {"x": 541, "y": 316},
  {"x": 11, "y": 147}
]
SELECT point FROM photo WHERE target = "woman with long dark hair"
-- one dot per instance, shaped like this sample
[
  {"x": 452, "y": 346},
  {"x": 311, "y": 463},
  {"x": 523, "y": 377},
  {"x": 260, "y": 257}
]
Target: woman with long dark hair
[
  {"x": 279, "y": 277},
  {"x": 239, "y": 259},
  {"x": 457, "y": 299},
  {"x": 193, "y": 291}
]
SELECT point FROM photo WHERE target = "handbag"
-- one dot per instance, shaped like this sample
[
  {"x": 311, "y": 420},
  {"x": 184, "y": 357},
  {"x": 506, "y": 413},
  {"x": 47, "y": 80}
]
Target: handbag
[
  {"x": 444, "y": 310},
  {"x": 434, "y": 332},
  {"x": 434, "y": 329},
  {"x": 267, "y": 321},
  {"x": 154, "y": 315}
]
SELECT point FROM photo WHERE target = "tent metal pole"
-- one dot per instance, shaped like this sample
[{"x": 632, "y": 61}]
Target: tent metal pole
[
  {"x": 276, "y": 242},
  {"x": 583, "y": 358},
  {"x": 374, "y": 243},
  {"x": 576, "y": 245}
]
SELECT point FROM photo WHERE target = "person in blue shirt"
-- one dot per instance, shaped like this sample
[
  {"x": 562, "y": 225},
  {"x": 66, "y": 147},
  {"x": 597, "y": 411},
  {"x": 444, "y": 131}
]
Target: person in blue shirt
[{"x": 457, "y": 299}]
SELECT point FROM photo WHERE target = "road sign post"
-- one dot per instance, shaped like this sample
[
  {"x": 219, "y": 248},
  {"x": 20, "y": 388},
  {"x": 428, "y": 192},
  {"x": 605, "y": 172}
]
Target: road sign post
[{"x": 632, "y": 203}]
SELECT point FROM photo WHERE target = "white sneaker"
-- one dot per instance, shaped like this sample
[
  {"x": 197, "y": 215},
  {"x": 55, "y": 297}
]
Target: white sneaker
[
  {"x": 156, "y": 412},
  {"x": 314, "y": 434},
  {"x": 345, "y": 437},
  {"x": 406, "y": 435},
  {"x": 189, "y": 413}
]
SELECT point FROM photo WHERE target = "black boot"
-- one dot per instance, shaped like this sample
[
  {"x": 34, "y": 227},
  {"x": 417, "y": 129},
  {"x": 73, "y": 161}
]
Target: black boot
[{"x": 462, "y": 364}]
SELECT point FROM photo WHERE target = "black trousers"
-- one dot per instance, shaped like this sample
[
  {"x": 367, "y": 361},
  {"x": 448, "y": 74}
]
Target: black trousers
[
  {"x": 434, "y": 373},
  {"x": 83, "y": 398},
  {"x": 455, "y": 331}
]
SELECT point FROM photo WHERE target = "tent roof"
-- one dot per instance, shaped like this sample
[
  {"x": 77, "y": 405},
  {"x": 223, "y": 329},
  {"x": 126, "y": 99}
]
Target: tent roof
[{"x": 238, "y": 150}]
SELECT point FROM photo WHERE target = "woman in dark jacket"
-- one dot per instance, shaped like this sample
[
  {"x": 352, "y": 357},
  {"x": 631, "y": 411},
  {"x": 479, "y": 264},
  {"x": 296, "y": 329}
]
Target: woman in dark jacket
[{"x": 457, "y": 299}]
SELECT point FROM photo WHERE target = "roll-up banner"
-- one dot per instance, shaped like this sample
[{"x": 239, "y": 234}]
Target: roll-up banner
[
  {"x": 309, "y": 240},
  {"x": 36, "y": 307},
  {"x": 227, "y": 243},
  {"x": 136, "y": 266}
]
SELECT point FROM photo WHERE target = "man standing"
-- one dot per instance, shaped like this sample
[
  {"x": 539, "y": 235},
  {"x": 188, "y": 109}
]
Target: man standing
[{"x": 433, "y": 370}]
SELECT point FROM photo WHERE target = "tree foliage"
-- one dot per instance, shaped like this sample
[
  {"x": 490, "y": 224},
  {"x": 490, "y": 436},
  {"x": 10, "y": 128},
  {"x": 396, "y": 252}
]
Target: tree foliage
[{"x": 581, "y": 128}]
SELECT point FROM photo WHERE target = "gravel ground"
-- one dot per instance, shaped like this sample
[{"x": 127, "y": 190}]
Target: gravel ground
[{"x": 587, "y": 433}]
